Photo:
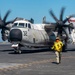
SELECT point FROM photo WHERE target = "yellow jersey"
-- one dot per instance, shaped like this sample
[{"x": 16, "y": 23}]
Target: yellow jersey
[{"x": 57, "y": 46}]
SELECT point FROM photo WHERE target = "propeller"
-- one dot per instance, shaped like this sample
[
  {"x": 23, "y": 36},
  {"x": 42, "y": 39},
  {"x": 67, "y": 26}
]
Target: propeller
[
  {"x": 4, "y": 23},
  {"x": 60, "y": 23}
]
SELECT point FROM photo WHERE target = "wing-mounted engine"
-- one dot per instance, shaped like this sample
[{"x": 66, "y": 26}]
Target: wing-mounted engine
[
  {"x": 60, "y": 26},
  {"x": 49, "y": 27}
]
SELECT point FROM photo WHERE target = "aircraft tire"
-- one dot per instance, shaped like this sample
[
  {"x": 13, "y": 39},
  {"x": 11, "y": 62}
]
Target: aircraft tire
[{"x": 17, "y": 51}]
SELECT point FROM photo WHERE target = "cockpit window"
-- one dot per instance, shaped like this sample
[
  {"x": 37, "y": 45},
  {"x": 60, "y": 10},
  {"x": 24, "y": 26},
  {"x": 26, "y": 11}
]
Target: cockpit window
[
  {"x": 21, "y": 24},
  {"x": 15, "y": 24},
  {"x": 29, "y": 26},
  {"x": 18, "y": 25},
  {"x": 25, "y": 25}
]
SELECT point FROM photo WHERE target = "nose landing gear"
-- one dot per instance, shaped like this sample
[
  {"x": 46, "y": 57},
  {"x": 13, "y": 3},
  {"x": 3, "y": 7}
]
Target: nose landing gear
[{"x": 17, "y": 48}]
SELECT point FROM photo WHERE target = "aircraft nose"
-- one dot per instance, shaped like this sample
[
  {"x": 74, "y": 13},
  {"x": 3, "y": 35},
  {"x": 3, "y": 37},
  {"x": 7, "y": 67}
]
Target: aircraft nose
[{"x": 15, "y": 35}]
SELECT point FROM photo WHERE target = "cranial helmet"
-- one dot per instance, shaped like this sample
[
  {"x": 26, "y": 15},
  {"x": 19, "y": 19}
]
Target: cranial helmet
[{"x": 57, "y": 38}]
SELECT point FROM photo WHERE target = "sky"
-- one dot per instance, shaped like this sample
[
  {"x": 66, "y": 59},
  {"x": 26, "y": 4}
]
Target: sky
[{"x": 36, "y": 9}]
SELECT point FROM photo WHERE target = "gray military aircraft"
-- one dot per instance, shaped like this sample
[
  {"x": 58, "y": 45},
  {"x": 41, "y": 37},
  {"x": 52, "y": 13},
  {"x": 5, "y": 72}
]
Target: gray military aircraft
[{"x": 21, "y": 32}]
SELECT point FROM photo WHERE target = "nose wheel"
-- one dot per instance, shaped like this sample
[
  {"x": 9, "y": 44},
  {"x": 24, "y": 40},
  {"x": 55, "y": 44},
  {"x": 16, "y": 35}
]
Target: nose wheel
[{"x": 17, "y": 50}]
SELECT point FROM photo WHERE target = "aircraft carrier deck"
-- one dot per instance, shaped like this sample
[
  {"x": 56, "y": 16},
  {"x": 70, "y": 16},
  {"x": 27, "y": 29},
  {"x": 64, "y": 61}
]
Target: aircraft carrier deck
[{"x": 35, "y": 61}]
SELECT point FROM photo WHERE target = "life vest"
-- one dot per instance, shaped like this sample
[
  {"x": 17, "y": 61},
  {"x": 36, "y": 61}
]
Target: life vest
[{"x": 57, "y": 46}]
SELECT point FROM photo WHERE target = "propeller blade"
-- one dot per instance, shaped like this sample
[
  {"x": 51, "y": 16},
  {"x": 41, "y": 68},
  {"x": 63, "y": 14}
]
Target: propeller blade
[
  {"x": 6, "y": 15},
  {"x": 68, "y": 18},
  {"x": 71, "y": 27},
  {"x": 61, "y": 14},
  {"x": 9, "y": 22},
  {"x": 65, "y": 32},
  {"x": 52, "y": 14},
  {"x": 60, "y": 31},
  {"x": 68, "y": 26},
  {"x": 7, "y": 28},
  {"x": 56, "y": 27}
]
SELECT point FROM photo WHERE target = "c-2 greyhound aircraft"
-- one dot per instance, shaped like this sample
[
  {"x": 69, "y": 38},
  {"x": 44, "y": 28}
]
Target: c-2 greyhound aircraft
[{"x": 21, "y": 32}]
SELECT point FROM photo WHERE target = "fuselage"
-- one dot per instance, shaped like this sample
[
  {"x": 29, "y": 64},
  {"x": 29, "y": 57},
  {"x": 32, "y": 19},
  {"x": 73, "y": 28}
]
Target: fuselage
[{"x": 26, "y": 32}]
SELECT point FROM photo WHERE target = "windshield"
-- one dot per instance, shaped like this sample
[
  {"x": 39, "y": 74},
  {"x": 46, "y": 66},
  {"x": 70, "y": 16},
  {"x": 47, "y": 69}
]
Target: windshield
[
  {"x": 21, "y": 25},
  {"x": 18, "y": 25}
]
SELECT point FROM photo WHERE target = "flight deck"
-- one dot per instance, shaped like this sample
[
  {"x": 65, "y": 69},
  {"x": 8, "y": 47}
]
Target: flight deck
[{"x": 35, "y": 61}]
